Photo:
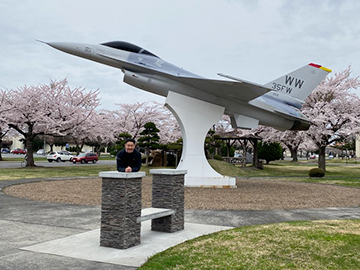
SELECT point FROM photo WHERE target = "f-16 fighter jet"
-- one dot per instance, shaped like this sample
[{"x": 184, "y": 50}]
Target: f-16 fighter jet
[{"x": 276, "y": 104}]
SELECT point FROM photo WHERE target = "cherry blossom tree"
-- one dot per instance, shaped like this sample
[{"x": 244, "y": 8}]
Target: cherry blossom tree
[
  {"x": 99, "y": 130},
  {"x": 290, "y": 139},
  {"x": 3, "y": 131},
  {"x": 307, "y": 146},
  {"x": 80, "y": 135},
  {"x": 224, "y": 125},
  {"x": 293, "y": 140},
  {"x": 170, "y": 130},
  {"x": 334, "y": 111},
  {"x": 131, "y": 118},
  {"x": 53, "y": 109},
  {"x": 4, "y": 108}
]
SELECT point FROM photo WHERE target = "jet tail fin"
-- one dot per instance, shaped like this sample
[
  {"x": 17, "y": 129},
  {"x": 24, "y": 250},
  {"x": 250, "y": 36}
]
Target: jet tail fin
[{"x": 301, "y": 82}]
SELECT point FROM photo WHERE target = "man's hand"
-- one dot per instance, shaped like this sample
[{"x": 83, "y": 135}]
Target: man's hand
[{"x": 128, "y": 169}]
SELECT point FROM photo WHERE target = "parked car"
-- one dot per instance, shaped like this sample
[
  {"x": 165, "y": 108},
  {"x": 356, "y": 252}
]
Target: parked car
[
  {"x": 85, "y": 158},
  {"x": 41, "y": 152},
  {"x": 18, "y": 151},
  {"x": 5, "y": 150},
  {"x": 59, "y": 156}
]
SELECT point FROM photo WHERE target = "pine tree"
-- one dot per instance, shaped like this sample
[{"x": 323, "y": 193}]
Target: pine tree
[
  {"x": 149, "y": 139},
  {"x": 270, "y": 151}
]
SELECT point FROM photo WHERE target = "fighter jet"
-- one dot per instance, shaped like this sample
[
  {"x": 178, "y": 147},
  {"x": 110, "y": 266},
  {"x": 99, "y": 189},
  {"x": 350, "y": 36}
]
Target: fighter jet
[{"x": 276, "y": 104}]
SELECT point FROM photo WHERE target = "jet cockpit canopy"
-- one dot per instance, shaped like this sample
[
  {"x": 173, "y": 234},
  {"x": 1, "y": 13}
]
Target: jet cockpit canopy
[{"x": 126, "y": 46}]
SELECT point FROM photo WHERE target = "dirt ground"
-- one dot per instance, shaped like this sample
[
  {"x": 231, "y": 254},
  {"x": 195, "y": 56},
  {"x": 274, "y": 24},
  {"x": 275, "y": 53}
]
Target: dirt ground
[{"x": 251, "y": 194}]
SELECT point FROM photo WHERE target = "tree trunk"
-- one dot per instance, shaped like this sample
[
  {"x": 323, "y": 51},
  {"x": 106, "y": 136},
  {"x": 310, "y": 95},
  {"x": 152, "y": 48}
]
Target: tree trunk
[
  {"x": 228, "y": 149},
  {"x": 78, "y": 147},
  {"x": 0, "y": 151},
  {"x": 82, "y": 145},
  {"x": 98, "y": 150},
  {"x": 255, "y": 153},
  {"x": 30, "y": 152},
  {"x": 208, "y": 154},
  {"x": 293, "y": 151},
  {"x": 321, "y": 160},
  {"x": 147, "y": 153}
]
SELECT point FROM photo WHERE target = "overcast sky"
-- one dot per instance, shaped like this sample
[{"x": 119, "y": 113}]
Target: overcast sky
[{"x": 256, "y": 40}]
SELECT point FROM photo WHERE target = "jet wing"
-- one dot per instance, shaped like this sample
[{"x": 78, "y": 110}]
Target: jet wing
[
  {"x": 243, "y": 91},
  {"x": 239, "y": 90}
]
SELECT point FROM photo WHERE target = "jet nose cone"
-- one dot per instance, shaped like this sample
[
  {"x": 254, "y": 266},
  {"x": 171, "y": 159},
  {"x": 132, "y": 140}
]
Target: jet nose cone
[
  {"x": 67, "y": 47},
  {"x": 77, "y": 49}
]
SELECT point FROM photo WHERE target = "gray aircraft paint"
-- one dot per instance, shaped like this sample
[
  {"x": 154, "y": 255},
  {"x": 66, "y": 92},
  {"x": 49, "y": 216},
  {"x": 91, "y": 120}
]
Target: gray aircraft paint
[{"x": 276, "y": 104}]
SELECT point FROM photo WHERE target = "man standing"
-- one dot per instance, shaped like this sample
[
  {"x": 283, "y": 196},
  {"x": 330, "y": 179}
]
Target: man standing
[{"x": 128, "y": 159}]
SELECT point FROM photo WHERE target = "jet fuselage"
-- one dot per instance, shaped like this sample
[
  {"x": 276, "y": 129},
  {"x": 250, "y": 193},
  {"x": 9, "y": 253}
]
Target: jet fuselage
[{"x": 146, "y": 71}]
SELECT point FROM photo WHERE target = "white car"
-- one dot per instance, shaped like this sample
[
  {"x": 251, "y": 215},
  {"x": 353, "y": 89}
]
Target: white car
[
  {"x": 41, "y": 152},
  {"x": 59, "y": 156}
]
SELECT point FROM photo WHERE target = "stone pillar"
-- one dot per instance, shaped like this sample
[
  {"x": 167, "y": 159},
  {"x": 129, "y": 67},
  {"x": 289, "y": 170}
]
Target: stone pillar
[
  {"x": 120, "y": 207},
  {"x": 168, "y": 192}
]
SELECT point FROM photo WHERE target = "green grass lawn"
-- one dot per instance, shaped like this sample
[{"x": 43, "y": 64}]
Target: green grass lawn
[
  {"x": 46, "y": 172},
  {"x": 63, "y": 171},
  {"x": 43, "y": 158},
  {"x": 338, "y": 174},
  {"x": 291, "y": 245},
  {"x": 294, "y": 245}
]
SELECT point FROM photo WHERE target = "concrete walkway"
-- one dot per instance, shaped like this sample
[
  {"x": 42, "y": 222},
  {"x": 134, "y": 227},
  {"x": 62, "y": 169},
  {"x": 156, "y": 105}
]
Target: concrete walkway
[{"x": 42, "y": 235}]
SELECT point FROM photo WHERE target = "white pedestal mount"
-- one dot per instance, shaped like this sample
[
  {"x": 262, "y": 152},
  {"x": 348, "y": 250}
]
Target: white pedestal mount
[{"x": 196, "y": 118}]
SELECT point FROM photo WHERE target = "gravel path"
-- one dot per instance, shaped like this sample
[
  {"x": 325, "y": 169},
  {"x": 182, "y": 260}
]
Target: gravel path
[{"x": 251, "y": 194}]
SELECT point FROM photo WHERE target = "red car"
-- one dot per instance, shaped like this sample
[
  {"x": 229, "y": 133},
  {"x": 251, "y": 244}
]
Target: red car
[
  {"x": 18, "y": 151},
  {"x": 85, "y": 158}
]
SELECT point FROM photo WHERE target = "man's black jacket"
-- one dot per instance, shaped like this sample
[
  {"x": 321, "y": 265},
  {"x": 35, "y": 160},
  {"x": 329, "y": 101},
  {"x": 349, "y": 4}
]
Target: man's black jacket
[{"x": 124, "y": 159}]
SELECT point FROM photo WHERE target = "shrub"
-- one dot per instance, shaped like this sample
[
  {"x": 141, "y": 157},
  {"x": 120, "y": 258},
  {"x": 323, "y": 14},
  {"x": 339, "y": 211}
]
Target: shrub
[
  {"x": 316, "y": 172},
  {"x": 269, "y": 151},
  {"x": 218, "y": 157}
]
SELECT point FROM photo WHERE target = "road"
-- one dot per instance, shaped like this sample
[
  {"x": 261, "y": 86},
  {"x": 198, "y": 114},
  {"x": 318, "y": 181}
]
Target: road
[{"x": 45, "y": 163}]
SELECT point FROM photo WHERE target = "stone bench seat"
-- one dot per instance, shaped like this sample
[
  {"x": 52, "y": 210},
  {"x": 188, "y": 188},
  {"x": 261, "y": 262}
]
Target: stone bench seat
[
  {"x": 152, "y": 213},
  {"x": 121, "y": 206}
]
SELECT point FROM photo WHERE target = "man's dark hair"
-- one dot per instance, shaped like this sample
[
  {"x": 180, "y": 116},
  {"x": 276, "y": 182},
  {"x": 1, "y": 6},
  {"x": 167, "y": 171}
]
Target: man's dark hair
[{"x": 130, "y": 140}]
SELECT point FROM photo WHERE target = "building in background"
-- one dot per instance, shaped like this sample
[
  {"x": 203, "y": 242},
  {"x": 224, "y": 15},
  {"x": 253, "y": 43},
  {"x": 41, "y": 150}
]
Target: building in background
[{"x": 16, "y": 142}]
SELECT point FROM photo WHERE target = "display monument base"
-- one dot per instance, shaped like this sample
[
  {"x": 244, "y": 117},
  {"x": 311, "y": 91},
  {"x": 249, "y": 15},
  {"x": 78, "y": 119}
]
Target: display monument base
[{"x": 196, "y": 117}]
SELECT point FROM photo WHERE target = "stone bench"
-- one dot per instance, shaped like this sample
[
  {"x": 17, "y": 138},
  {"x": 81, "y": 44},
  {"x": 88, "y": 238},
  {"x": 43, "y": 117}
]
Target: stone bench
[
  {"x": 152, "y": 213},
  {"x": 121, "y": 213}
]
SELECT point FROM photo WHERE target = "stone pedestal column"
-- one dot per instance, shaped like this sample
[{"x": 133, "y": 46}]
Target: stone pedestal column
[
  {"x": 168, "y": 192},
  {"x": 120, "y": 207}
]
